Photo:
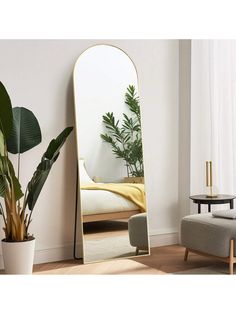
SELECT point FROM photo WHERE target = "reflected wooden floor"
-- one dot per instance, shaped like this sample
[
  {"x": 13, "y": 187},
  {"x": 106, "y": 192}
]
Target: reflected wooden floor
[
  {"x": 163, "y": 260},
  {"x": 105, "y": 240}
]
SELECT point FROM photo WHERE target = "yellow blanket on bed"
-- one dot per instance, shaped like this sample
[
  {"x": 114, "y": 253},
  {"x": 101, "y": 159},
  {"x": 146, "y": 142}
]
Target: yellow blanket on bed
[{"x": 132, "y": 191}]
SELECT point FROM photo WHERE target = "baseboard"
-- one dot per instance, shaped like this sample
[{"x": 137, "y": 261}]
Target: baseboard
[
  {"x": 53, "y": 254},
  {"x": 48, "y": 255},
  {"x": 158, "y": 237},
  {"x": 163, "y": 237}
]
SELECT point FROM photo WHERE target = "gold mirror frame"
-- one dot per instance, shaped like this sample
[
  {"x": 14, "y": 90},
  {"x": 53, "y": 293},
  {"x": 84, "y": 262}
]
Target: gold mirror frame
[{"x": 78, "y": 205}]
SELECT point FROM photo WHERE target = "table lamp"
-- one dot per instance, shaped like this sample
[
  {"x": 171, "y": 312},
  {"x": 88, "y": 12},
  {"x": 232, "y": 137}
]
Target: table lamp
[{"x": 211, "y": 190}]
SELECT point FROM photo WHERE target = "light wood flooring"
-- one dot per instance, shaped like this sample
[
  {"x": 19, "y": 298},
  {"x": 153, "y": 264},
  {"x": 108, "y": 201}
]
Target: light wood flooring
[{"x": 163, "y": 260}]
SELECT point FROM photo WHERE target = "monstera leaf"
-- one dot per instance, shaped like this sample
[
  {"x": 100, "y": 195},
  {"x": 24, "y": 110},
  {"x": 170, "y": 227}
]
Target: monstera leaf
[
  {"x": 40, "y": 176},
  {"x": 25, "y": 133},
  {"x": 6, "y": 118}
]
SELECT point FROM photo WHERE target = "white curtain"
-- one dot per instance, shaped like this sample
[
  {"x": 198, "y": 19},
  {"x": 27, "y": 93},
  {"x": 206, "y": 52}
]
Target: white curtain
[{"x": 213, "y": 114}]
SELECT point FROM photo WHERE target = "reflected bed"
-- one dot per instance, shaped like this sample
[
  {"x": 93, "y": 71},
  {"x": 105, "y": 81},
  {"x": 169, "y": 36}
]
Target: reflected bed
[
  {"x": 105, "y": 205},
  {"x": 100, "y": 205}
]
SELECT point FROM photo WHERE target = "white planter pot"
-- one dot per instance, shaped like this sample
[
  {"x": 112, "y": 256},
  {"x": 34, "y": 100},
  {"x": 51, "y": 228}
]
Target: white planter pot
[{"x": 18, "y": 257}]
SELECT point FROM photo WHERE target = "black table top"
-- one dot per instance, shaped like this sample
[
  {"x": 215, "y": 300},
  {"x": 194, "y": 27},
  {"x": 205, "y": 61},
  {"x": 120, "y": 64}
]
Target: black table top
[{"x": 218, "y": 198}]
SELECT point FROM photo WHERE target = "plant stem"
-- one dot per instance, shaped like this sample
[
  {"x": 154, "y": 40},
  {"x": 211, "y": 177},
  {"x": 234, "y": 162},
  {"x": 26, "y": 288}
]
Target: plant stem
[
  {"x": 18, "y": 175},
  {"x": 130, "y": 170},
  {"x": 22, "y": 214},
  {"x": 127, "y": 169},
  {"x": 136, "y": 169},
  {"x": 29, "y": 221},
  {"x": 18, "y": 166}
]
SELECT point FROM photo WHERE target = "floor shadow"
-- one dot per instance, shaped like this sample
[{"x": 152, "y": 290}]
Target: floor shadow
[{"x": 170, "y": 259}]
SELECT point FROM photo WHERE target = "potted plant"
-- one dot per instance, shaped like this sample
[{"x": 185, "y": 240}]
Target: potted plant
[
  {"x": 20, "y": 132},
  {"x": 126, "y": 140}
]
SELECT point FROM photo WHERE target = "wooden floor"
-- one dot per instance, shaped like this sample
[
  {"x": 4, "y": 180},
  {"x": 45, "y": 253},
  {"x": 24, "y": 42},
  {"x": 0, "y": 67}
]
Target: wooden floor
[{"x": 163, "y": 260}]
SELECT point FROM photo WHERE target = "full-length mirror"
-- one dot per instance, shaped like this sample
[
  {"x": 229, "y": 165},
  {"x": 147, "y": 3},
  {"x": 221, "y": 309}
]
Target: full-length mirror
[{"x": 111, "y": 172}]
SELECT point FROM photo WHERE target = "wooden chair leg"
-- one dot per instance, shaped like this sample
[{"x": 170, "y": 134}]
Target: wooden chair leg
[
  {"x": 186, "y": 255},
  {"x": 231, "y": 257}
]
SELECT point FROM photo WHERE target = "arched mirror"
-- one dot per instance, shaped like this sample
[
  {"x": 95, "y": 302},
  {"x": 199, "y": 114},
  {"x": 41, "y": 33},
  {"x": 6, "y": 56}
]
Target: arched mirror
[{"x": 110, "y": 155}]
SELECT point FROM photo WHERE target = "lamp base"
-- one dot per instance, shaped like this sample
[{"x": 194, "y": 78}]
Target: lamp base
[{"x": 211, "y": 191}]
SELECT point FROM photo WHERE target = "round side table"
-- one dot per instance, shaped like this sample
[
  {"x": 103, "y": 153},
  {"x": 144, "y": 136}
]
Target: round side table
[{"x": 220, "y": 199}]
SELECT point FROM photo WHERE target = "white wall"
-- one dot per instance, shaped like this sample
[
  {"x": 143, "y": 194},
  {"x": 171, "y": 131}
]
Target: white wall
[
  {"x": 102, "y": 75},
  {"x": 184, "y": 126},
  {"x": 158, "y": 68},
  {"x": 38, "y": 75},
  {"x": 200, "y": 116}
]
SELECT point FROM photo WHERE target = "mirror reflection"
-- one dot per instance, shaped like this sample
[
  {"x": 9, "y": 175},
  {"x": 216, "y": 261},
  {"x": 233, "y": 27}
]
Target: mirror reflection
[{"x": 111, "y": 173}]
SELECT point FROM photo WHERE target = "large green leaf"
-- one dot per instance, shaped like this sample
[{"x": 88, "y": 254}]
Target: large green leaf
[
  {"x": 3, "y": 175},
  {"x": 2, "y": 144},
  {"x": 40, "y": 176},
  {"x": 56, "y": 144},
  {"x": 2, "y": 186},
  {"x": 16, "y": 184},
  {"x": 8, "y": 177},
  {"x": 37, "y": 182},
  {"x": 26, "y": 132},
  {"x": 6, "y": 117},
  {"x": 3, "y": 165}
]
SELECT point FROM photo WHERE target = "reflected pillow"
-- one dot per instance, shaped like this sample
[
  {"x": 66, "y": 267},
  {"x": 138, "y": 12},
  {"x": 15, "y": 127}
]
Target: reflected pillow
[{"x": 83, "y": 176}]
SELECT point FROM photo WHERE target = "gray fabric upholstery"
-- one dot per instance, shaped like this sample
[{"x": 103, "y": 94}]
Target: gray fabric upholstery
[
  {"x": 138, "y": 234},
  {"x": 208, "y": 234}
]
